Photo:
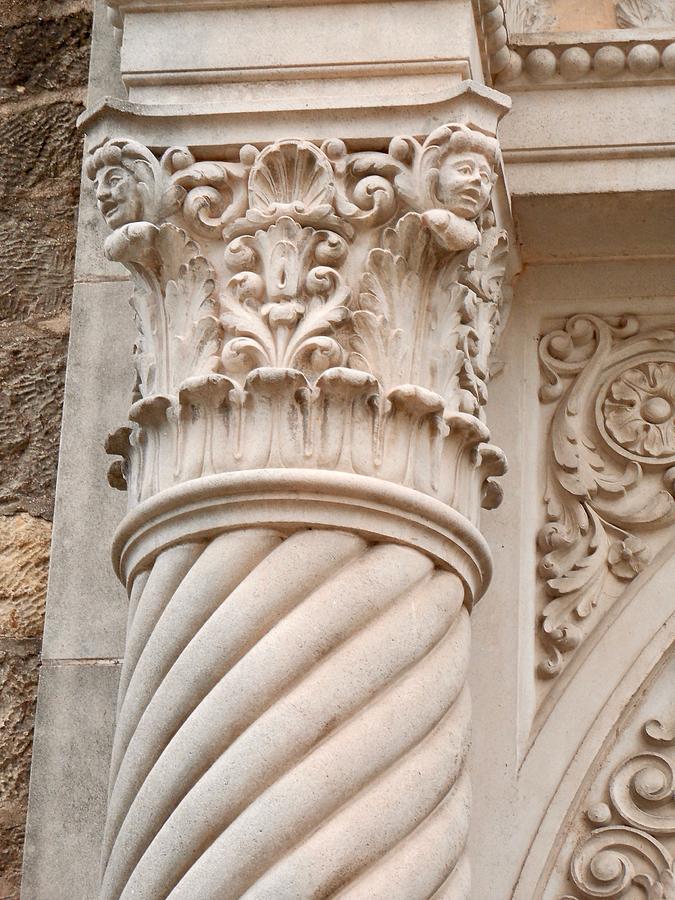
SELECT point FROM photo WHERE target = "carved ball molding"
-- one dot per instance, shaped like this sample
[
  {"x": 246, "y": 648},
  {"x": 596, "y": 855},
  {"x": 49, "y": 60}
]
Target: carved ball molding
[
  {"x": 610, "y": 474},
  {"x": 616, "y": 61},
  {"x": 310, "y": 307}
]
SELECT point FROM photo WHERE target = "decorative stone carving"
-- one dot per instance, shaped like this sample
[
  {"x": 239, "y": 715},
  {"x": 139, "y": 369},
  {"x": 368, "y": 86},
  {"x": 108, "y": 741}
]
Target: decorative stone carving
[
  {"x": 639, "y": 411},
  {"x": 609, "y": 482},
  {"x": 368, "y": 282},
  {"x": 645, "y": 13},
  {"x": 627, "y": 852},
  {"x": 315, "y": 329}
]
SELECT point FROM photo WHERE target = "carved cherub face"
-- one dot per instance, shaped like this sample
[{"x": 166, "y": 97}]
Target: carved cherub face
[
  {"x": 465, "y": 182},
  {"x": 118, "y": 196}
]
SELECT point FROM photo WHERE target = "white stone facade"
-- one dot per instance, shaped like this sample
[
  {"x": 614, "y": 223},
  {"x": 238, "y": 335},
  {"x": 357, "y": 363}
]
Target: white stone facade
[{"x": 337, "y": 264}]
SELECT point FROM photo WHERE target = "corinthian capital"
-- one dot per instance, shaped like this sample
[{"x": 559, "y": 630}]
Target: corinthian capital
[{"x": 309, "y": 307}]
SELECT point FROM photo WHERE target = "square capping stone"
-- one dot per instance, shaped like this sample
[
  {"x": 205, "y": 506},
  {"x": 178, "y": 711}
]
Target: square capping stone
[
  {"x": 210, "y": 131},
  {"x": 249, "y": 59}
]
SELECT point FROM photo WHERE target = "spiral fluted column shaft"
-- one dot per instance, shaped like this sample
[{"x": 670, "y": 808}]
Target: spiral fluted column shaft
[{"x": 293, "y": 723}]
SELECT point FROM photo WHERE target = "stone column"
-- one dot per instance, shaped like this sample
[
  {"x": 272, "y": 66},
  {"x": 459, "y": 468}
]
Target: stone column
[{"x": 306, "y": 462}]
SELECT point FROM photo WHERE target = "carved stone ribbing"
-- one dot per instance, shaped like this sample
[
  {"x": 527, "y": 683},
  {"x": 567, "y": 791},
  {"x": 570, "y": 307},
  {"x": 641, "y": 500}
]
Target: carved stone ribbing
[
  {"x": 306, "y": 461},
  {"x": 249, "y": 659}
]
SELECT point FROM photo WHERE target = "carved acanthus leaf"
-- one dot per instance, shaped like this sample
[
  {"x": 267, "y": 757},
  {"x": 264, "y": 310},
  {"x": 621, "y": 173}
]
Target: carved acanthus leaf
[
  {"x": 409, "y": 312},
  {"x": 178, "y": 333},
  {"x": 609, "y": 478}
]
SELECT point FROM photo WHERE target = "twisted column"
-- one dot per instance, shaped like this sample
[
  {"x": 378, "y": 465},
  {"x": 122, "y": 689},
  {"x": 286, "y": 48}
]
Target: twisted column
[
  {"x": 306, "y": 462},
  {"x": 288, "y": 688}
]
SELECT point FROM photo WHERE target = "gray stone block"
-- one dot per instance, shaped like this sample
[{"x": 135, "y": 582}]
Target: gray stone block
[{"x": 73, "y": 740}]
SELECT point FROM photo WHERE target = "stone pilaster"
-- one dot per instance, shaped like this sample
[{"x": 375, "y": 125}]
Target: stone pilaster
[{"x": 306, "y": 461}]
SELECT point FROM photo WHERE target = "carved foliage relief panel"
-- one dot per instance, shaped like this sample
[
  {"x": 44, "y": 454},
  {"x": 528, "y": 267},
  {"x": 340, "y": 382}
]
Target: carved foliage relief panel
[
  {"x": 533, "y": 16},
  {"x": 608, "y": 392},
  {"x": 310, "y": 307}
]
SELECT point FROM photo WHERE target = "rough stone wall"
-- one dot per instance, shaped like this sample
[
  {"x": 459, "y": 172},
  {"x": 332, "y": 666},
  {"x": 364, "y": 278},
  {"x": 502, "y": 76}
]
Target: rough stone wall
[{"x": 44, "y": 58}]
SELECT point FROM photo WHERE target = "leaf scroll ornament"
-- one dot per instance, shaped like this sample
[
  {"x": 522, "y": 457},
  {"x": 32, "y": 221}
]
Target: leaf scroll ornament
[
  {"x": 285, "y": 303},
  {"x": 599, "y": 502},
  {"x": 628, "y": 853}
]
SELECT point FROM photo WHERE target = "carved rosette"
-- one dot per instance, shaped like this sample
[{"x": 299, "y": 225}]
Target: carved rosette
[
  {"x": 314, "y": 336},
  {"x": 610, "y": 469}
]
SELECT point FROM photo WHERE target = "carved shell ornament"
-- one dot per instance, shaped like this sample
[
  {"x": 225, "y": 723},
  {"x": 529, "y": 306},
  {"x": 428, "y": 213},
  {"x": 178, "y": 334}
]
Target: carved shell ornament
[
  {"x": 290, "y": 178},
  {"x": 610, "y": 475}
]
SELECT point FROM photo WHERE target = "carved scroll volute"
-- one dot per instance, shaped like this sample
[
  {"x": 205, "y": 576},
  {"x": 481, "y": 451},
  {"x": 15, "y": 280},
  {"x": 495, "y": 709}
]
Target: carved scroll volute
[
  {"x": 610, "y": 468},
  {"x": 628, "y": 853},
  {"x": 313, "y": 261}
]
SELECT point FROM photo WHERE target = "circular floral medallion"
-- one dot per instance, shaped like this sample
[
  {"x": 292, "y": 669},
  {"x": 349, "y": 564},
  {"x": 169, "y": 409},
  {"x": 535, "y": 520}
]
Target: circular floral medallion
[{"x": 639, "y": 410}]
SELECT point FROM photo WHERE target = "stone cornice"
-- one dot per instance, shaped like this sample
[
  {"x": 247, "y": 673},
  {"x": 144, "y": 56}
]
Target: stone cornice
[
  {"x": 490, "y": 20},
  {"x": 213, "y": 127},
  {"x": 519, "y": 61}
]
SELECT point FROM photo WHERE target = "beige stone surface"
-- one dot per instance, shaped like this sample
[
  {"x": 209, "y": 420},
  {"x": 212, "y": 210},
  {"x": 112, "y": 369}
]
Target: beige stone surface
[
  {"x": 73, "y": 734},
  {"x": 86, "y": 614}
]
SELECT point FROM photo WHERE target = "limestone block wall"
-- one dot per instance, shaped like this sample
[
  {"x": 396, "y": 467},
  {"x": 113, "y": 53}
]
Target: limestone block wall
[{"x": 44, "y": 60}]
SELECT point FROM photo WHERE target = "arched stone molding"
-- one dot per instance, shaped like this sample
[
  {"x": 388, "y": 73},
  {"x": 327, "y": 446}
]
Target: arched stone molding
[
  {"x": 618, "y": 837},
  {"x": 629, "y": 651}
]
